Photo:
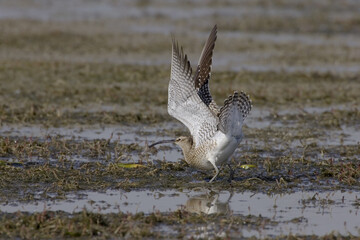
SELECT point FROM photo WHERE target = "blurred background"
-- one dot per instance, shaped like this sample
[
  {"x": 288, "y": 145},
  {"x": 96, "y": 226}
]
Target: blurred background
[
  {"x": 260, "y": 35},
  {"x": 92, "y": 56}
]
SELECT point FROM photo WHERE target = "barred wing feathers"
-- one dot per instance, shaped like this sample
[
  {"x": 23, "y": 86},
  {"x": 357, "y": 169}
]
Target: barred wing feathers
[
  {"x": 184, "y": 102},
  {"x": 203, "y": 72},
  {"x": 233, "y": 113}
]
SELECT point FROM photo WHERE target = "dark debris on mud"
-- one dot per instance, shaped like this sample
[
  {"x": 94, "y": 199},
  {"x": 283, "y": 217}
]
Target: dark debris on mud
[
  {"x": 293, "y": 55},
  {"x": 50, "y": 168}
]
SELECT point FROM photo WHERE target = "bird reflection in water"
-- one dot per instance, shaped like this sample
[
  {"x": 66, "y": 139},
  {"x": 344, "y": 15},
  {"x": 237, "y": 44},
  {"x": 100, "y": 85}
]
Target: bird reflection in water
[{"x": 208, "y": 204}]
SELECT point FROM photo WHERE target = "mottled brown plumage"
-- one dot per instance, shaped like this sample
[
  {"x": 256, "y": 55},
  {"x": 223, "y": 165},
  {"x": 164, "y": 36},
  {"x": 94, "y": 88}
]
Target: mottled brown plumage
[
  {"x": 193, "y": 155},
  {"x": 215, "y": 132}
]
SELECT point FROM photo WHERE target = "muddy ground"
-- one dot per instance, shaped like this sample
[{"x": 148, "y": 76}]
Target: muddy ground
[{"x": 83, "y": 89}]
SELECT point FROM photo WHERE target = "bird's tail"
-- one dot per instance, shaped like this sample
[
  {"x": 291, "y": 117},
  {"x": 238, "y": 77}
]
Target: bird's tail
[{"x": 233, "y": 113}]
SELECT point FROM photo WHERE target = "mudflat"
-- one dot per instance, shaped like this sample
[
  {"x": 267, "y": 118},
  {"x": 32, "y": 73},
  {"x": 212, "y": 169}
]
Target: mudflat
[{"x": 83, "y": 90}]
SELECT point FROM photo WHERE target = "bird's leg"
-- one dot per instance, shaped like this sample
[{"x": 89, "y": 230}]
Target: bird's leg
[
  {"x": 216, "y": 172},
  {"x": 231, "y": 195},
  {"x": 231, "y": 177}
]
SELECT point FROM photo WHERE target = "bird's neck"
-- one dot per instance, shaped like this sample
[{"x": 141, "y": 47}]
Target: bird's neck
[{"x": 187, "y": 149}]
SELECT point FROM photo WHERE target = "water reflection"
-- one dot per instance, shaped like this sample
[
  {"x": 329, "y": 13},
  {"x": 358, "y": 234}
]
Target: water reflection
[
  {"x": 207, "y": 204},
  {"x": 299, "y": 213}
]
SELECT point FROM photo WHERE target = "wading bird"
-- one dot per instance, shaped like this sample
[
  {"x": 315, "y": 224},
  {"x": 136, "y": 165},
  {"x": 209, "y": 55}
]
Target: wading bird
[{"x": 215, "y": 132}]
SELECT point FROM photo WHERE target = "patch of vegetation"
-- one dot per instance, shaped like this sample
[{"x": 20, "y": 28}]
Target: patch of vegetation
[
  {"x": 60, "y": 93},
  {"x": 104, "y": 226},
  {"x": 82, "y": 73}
]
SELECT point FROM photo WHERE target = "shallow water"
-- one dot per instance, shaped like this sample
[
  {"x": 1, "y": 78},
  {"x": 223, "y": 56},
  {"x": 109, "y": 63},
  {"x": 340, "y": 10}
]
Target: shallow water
[
  {"x": 254, "y": 46},
  {"x": 72, "y": 10},
  {"x": 257, "y": 119},
  {"x": 123, "y": 134},
  {"x": 142, "y": 135},
  {"x": 163, "y": 18},
  {"x": 297, "y": 213}
]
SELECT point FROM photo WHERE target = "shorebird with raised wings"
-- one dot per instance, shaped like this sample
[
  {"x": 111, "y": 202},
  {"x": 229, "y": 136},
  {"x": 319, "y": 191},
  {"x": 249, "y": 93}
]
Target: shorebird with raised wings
[{"x": 215, "y": 132}]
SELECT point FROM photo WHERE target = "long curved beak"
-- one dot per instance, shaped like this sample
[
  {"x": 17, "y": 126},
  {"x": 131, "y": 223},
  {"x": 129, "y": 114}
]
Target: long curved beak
[{"x": 163, "y": 141}]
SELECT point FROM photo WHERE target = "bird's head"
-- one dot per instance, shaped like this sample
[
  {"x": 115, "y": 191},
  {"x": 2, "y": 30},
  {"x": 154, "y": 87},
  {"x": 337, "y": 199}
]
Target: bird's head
[{"x": 184, "y": 142}]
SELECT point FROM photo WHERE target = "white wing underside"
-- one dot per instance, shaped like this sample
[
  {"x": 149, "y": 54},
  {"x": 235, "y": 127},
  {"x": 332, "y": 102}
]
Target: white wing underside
[{"x": 184, "y": 102}]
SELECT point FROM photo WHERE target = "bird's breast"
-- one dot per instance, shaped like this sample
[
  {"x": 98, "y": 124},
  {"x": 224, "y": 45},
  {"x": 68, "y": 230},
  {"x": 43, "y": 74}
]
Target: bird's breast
[{"x": 218, "y": 150}]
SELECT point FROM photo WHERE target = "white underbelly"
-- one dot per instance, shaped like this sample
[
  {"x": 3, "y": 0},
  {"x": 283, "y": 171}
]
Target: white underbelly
[{"x": 226, "y": 146}]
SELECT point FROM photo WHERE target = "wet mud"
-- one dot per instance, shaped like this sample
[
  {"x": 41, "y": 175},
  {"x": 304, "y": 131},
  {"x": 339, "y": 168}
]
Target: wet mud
[{"x": 83, "y": 92}]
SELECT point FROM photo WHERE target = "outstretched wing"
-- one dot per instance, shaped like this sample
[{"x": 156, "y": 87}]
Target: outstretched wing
[
  {"x": 184, "y": 102},
  {"x": 233, "y": 113},
  {"x": 203, "y": 72}
]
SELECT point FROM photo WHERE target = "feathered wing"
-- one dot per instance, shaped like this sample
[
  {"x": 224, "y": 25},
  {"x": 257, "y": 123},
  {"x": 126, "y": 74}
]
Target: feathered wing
[
  {"x": 233, "y": 113},
  {"x": 184, "y": 102},
  {"x": 203, "y": 72}
]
